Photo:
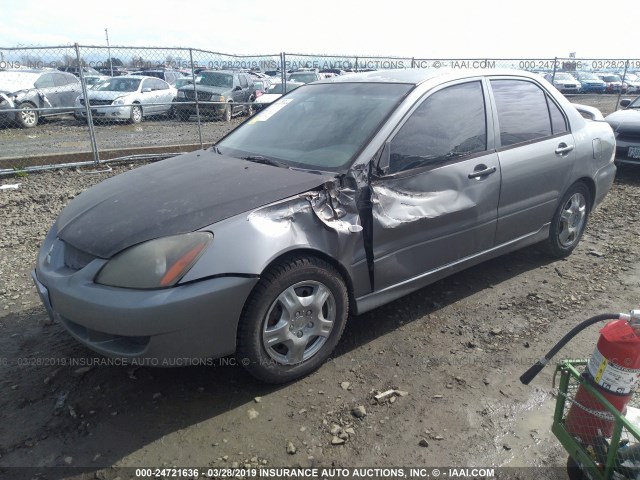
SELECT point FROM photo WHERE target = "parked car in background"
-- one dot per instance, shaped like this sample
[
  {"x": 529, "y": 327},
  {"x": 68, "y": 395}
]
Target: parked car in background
[
  {"x": 275, "y": 92},
  {"x": 128, "y": 98},
  {"x": 26, "y": 95},
  {"x": 305, "y": 76},
  {"x": 115, "y": 69},
  {"x": 232, "y": 89},
  {"x": 631, "y": 83},
  {"x": 93, "y": 79},
  {"x": 563, "y": 82},
  {"x": 613, "y": 82},
  {"x": 261, "y": 85},
  {"x": 590, "y": 83},
  {"x": 626, "y": 127},
  {"x": 169, "y": 76},
  {"x": 265, "y": 243},
  {"x": 181, "y": 82},
  {"x": 76, "y": 70}
]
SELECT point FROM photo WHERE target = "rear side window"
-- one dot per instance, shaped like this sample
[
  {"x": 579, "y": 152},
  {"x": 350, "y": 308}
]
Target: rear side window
[
  {"x": 523, "y": 112},
  {"x": 450, "y": 123},
  {"x": 558, "y": 122}
]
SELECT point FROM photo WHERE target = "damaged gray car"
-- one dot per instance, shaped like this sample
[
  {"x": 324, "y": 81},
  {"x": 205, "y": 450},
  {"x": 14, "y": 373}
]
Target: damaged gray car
[{"x": 341, "y": 196}]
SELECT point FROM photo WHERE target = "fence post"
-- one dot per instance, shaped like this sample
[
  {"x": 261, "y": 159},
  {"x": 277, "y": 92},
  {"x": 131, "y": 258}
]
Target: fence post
[
  {"x": 413, "y": 62},
  {"x": 624, "y": 74},
  {"x": 555, "y": 63},
  {"x": 283, "y": 71},
  {"x": 356, "y": 69},
  {"x": 195, "y": 95},
  {"x": 87, "y": 109}
]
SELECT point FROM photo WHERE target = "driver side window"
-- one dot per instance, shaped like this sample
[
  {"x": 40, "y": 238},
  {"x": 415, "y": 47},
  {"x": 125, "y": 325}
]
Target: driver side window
[{"x": 450, "y": 123}]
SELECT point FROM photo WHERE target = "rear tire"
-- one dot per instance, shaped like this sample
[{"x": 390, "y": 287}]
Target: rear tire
[
  {"x": 569, "y": 221},
  {"x": 292, "y": 320}
]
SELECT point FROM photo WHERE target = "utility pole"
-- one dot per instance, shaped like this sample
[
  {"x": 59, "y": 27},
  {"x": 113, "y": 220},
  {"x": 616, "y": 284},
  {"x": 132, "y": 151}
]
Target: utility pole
[{"x": 106, "y": 32}]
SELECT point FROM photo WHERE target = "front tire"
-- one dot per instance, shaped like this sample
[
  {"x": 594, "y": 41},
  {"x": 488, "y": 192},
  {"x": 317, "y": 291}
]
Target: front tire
[
  {"x": 249, "y": 108},
  {"x": 27, "y": 116},
  {"x": 569, "y": 221},
  {"x": 293, "y": 320},
  {"x": 136, "y": 113}
]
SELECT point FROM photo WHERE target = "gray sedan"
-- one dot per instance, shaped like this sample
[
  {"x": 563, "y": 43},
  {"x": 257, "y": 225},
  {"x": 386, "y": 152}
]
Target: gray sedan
[
  {"x": 128, "y": 98},
  {"x": 341, "y": 196}
]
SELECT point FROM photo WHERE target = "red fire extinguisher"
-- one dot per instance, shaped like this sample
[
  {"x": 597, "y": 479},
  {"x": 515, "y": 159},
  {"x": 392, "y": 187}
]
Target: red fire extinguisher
[{"x": 613, "y": 370}]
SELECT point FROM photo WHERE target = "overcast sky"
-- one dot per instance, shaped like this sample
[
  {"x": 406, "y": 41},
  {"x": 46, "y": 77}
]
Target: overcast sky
[{"x": 442, "y": 29}]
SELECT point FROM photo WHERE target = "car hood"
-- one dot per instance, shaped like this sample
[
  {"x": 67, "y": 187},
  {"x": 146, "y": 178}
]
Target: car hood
[
  {"x": 106, "y": 94},
  {"x": 178, "y": 195},
  {"x": 624, "y": 120}
]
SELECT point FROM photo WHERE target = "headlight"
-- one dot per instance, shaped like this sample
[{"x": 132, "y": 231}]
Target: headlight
[
  {"x": 221, "y": 99},
  {"x": 157, "y": 263},
  {"x": 181, "y": 94},
  {"x": 119, "y": 101}
]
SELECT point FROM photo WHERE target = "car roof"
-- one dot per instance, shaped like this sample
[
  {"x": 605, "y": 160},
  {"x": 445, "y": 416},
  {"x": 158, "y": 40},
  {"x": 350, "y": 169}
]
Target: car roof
[{"x": 416, "y": 76}]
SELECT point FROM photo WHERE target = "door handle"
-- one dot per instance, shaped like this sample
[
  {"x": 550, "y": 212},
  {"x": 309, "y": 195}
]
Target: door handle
[
  {"x": 563, "y": 148},
  {"x": 482, "y": 173}
]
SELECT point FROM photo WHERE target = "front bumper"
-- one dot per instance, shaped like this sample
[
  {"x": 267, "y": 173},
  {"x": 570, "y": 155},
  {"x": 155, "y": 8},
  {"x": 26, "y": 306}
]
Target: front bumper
[
  {"x": 188, "y": 106},
  {"x": 112, "y": 113},
  {"x": 622, "y": 151},
  {"x": 168, "y": 327},
  {"x": 7, "y": 108}
]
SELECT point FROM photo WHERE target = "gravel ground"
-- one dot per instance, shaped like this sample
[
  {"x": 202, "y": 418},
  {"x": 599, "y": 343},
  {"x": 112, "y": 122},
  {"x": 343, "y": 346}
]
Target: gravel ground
[{"x": 456, "y": 348}]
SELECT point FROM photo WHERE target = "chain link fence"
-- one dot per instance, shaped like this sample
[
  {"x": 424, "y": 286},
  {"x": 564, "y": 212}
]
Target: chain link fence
[{"x": 85, "y": 105}]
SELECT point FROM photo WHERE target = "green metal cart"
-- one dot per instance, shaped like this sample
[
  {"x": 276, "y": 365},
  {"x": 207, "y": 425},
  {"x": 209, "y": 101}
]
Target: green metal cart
[{"x": 617, "y": 457}]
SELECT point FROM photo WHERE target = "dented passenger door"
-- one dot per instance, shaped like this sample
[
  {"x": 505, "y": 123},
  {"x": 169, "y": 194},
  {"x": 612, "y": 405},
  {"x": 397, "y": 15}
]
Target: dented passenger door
[{"x": 437, "y": 197}]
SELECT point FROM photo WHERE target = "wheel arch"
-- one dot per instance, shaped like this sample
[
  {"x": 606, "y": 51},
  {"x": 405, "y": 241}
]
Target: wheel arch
[
  {"x": 342, "y": 270},
  {"x": 591, "y": 186}
]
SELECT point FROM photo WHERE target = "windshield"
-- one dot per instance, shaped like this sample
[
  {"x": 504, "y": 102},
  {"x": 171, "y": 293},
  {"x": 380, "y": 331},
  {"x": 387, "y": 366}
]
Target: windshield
[
  {"x": 215, "y": 79},
  {"x": 17, "y": 80},
  {"x": 120, "y": 84},
  {"x": 588, "y": 76},
  {"x": 319, "y": 126},
  {"x": 611, "y": 78},
  {"x": 303, "y": 77},
  {"x": 564, "y": 77},
  {"x": 181, "y": 82},
  {"x": 635, "y": 103}
]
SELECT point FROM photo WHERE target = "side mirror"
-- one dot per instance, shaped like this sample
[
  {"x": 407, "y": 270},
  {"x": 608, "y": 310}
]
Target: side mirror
[
  {"x": 625, "y": 102},
  {"x": 237, "y": 89},
  {"x": 146, "y": 90}
]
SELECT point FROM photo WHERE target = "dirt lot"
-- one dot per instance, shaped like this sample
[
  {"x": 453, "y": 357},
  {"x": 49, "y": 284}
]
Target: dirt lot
[{"x": 456, "y": 347}]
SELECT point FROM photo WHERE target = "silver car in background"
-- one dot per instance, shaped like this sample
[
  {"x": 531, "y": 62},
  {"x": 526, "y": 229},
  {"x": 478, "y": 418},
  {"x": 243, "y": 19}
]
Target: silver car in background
[
  {"x": 128, "y": 98},
  {"x": 341, "y": 196}
]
